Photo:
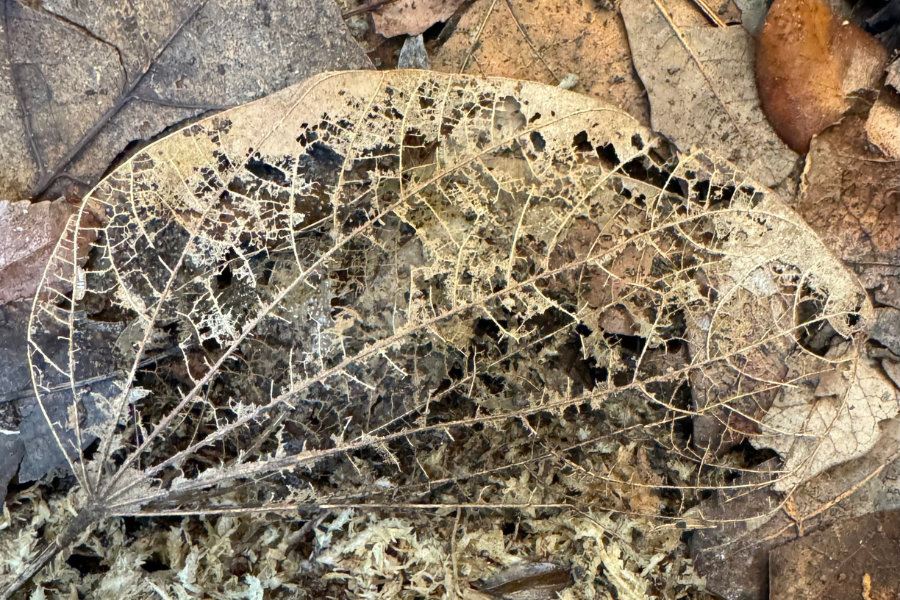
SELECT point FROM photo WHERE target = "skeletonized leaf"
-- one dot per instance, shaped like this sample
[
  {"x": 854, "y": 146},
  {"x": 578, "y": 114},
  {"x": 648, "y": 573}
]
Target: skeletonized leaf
[
  {"x": 385, "y": 278},
  {"x": 836, "y": 421}
]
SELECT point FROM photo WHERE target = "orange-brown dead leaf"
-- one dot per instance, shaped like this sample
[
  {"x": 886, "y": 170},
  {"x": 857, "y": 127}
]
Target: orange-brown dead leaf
[
  {"x": 546, "y": 40},
  {"x": 809, "y": 62}
]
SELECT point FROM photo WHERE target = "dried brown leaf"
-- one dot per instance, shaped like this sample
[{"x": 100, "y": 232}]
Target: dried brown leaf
[
  {"x": 734, "y": 557},
  {"x": 701, "y": 88},
  {"x": 546, "y": 41},
  {"x": 809, "y": 63},
  {"x": 853, "y": 559},
  {"x": 850, "y": 197}
]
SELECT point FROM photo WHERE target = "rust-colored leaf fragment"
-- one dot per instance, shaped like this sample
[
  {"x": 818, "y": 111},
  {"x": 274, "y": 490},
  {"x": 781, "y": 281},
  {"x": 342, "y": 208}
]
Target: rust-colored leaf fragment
[{"x": 809, "y": 62}]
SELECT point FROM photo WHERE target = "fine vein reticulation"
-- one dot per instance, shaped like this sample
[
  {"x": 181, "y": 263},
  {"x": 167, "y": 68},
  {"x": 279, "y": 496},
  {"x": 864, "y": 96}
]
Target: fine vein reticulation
[{"x": 410, "y": 288}]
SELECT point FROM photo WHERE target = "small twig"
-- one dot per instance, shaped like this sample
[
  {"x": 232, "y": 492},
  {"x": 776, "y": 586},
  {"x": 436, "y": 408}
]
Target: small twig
[
  {"x": 477, "y": 37},
  {"x": 709, "y": 13},
  {"x": 367, "y": 8},
  {"x": 29, "y": 393},
  {"x": 528, "y": 40},
  {"x": 871, "y": 264},
  {"x": 185, "y": 106}
]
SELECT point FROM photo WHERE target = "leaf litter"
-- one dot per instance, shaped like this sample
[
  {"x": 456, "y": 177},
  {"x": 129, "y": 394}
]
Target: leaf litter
[
  {"x": 633, "y": 481},
  {"x": 701, "y": 89},
  {"x": 363, "y": 295}
]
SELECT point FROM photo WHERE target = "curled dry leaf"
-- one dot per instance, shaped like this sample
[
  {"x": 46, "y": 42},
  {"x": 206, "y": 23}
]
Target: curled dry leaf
[
  {"x": 809, "y": 62},
  {"x": 701, "y": 89},
  {"x": 883, "y": 126},
  {"x": 375, "y": 282}
]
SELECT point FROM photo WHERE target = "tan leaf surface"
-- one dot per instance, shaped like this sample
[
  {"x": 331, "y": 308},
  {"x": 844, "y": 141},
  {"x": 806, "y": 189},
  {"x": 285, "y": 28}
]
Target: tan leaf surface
[
  {"x": 412, "y": 17},
  {"x": 400, "y": 282},
  {"x": 546, "y": 40},
  {"x": 883, "y": 125},
  {"x": 702, "y": 90},
  {"x": 817, "y": 428}
]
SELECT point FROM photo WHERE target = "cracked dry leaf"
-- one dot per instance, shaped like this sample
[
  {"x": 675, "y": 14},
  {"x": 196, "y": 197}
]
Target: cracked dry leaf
[
  {"x": 79, "y": 82},
  {"x": 376, "y": 286},
  {"x": 702, "y": 91},
  {"x": 547, "y": 41}
]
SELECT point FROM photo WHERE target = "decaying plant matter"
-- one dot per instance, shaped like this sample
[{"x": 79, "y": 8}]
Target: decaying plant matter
[{"x": 411, "y": 289}]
